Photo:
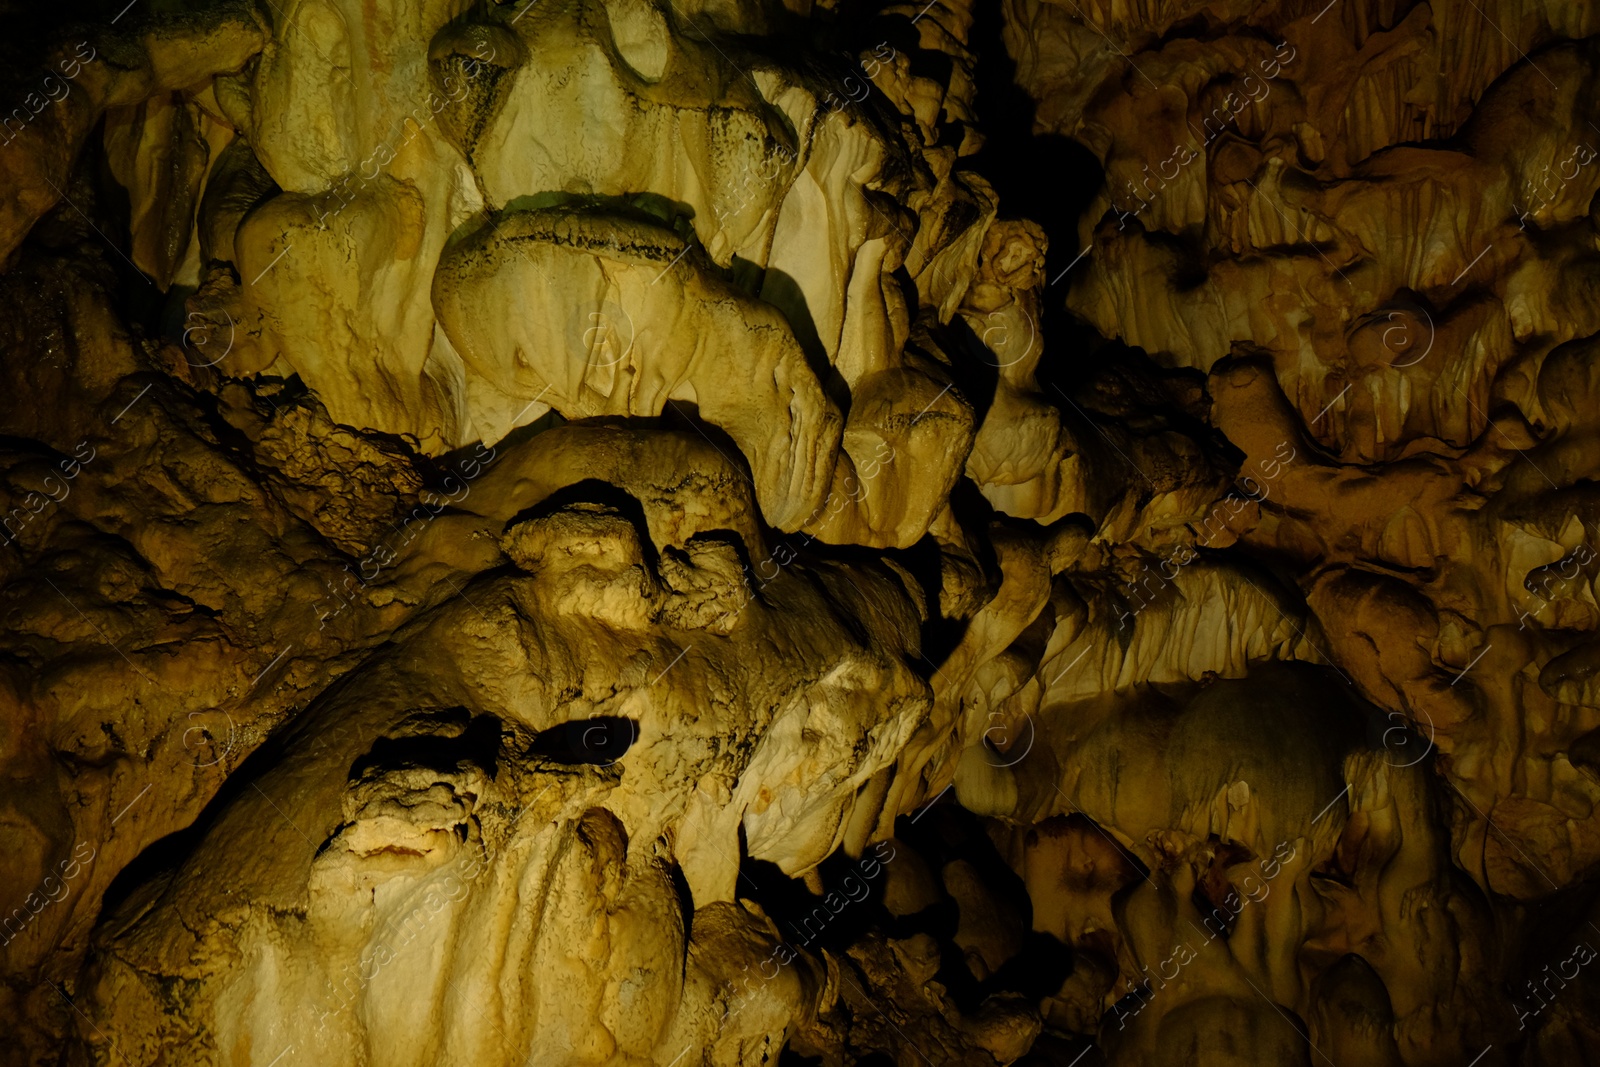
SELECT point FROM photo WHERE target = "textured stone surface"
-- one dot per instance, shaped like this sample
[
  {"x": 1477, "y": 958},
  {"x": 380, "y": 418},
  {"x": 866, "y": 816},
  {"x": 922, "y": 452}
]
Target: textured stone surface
[{"x": 731, "y": 532}]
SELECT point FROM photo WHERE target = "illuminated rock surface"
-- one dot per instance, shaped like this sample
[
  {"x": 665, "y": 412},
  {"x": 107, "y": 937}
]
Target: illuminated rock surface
[{"x": 737, "y": 531}]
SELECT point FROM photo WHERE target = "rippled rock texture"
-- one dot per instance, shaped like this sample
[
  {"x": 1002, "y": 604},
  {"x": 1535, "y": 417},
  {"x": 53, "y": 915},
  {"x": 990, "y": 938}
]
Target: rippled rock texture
[{"x": 723, "y": 532}]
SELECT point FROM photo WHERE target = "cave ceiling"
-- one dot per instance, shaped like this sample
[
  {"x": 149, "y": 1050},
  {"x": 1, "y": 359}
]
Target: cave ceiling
[{"x": 709, "y": 533}]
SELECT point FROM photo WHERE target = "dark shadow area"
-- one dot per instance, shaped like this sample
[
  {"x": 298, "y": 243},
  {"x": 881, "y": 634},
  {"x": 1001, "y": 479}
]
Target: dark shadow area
[
  {"x": 478, "y": 744},
  {"x": 92, "y": 192},
  {"x": 850, "y": 905},
  {"x": 1056, "y": 1050},
  {"x": 784, "y": 293},
  {"x": 1048, "y": 178},
  {"x": 976, "y": 376},
  {"x": 600, "y": 741},
  {"x": 944, "y": 834},
  {"x": 934, "y": 848}
]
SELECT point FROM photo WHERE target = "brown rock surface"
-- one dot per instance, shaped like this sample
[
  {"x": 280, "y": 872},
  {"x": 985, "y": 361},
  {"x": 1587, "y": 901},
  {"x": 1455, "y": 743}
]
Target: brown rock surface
[{"x": 585, "y": 532}]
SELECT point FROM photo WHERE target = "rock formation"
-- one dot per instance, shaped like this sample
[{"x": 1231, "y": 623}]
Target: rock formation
[{"x": 723, "y": 532}]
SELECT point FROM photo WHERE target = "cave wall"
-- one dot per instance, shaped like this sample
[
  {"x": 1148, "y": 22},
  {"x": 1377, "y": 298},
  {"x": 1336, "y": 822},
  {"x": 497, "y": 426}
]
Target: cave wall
[{"x": 727, "y": 532}]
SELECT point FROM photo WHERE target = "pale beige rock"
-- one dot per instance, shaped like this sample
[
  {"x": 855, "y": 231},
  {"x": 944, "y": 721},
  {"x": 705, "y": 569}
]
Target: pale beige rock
[{"x": 586, "y": 473}]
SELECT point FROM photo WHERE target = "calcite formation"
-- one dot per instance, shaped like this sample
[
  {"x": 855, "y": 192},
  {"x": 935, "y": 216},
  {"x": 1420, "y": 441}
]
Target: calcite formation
[{"x": 725, "y": 532}]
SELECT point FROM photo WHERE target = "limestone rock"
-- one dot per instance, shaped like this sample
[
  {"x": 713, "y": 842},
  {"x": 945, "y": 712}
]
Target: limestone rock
[{"x": 723, "y": 532}]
